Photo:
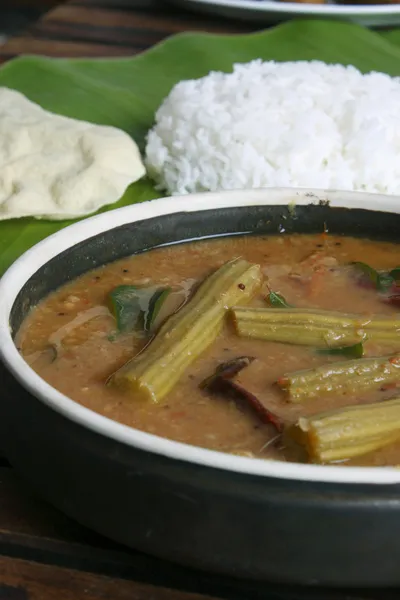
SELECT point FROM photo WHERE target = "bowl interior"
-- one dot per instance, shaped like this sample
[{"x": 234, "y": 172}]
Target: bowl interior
[
  {"x": 182, "y": 227},
  {"x": 90, "y": 244}
]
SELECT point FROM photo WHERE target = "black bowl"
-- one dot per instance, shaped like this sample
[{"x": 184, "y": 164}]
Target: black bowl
[{"x": 248, "y": 518}]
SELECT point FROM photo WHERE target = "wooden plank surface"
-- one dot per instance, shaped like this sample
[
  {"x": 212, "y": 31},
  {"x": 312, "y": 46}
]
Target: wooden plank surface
[
  {"x": 37, "y": 4},
  {"x": 27, "y": 580},
  {"x": 88, "y": 28}
]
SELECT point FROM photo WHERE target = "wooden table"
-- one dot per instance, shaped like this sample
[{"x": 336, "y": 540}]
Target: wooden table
[
  {"x": 121, "y": 28},
  {"x": 44, "y": 555}
]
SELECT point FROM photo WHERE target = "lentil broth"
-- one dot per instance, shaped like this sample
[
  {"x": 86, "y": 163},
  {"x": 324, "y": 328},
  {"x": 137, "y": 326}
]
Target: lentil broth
[{"x": 69, "y": 339}]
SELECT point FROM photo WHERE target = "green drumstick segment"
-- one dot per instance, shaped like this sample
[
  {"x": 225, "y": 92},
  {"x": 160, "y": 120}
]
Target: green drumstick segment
[
  {"x": 349, "y": 432},
  {"x": 186, "y": 334},
  {"x": 348, "y": 377},
  {"x": 322, "y": 329}
]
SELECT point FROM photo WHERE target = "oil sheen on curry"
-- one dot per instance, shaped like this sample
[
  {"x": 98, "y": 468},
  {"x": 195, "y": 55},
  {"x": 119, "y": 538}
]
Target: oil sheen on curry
[{"x": 275, "y": 347}]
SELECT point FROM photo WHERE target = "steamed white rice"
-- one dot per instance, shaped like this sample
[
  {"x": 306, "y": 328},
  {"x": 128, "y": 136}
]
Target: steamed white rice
[{"x": 303, "y": 124}]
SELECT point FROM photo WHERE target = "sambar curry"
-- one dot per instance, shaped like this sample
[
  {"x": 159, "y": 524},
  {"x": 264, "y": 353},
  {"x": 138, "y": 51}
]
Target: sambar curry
[{"x": 281, "y": 347}]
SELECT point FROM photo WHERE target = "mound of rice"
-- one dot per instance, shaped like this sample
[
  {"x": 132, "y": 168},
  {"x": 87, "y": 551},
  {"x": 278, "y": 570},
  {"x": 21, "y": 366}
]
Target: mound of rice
[{"x": 303, "y": 124}]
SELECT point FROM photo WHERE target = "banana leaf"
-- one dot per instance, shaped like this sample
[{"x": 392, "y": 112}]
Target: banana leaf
[
  {"x": 392, "y": 36},
  {"x": 126, "y": 92}
]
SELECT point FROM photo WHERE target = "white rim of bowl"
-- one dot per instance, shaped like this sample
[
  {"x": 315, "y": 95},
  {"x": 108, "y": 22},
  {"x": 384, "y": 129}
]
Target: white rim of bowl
[{"x": 17, "y": 275}]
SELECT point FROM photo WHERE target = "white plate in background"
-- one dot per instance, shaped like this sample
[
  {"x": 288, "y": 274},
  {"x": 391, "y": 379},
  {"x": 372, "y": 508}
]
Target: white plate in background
[{"x": 274, "y": 11}]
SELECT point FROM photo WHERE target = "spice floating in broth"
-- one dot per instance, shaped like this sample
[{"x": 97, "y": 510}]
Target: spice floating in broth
[
  {"x": 394, "y": 300},
  {"x": 223, "y": 382},
  {"x": 225, "y": 371}
]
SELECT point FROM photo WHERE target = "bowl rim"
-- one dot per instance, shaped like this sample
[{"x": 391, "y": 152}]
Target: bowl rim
[{"x": 24, "y": 267}]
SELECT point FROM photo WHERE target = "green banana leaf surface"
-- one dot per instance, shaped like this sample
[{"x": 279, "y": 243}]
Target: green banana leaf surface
[{"x": 126, "y": 92}]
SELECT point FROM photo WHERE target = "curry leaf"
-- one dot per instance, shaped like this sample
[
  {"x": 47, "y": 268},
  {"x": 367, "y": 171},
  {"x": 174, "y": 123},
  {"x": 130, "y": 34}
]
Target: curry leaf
[
  {"x": 395, "y": 274},
  {"x": 277, "y": 300},
  {"x": 163, "y": 303},
  {"x": 128, "y": 303},
  {"x": 155, "y": 305},
  {"x": 355, "y": 351},
  {"x": 381, "y": 280}
]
